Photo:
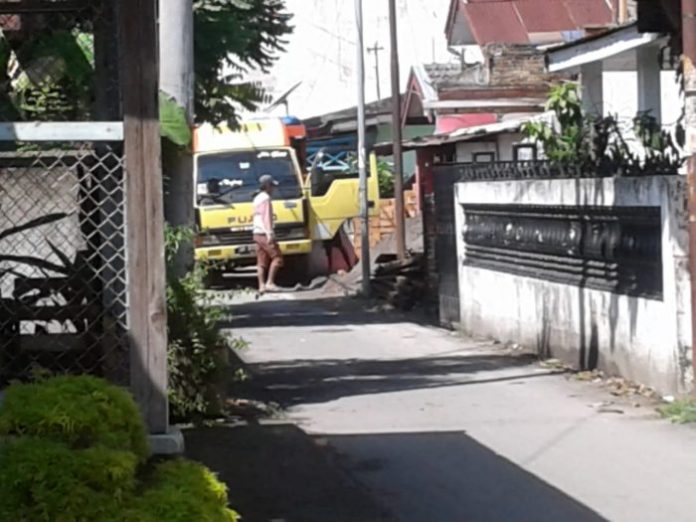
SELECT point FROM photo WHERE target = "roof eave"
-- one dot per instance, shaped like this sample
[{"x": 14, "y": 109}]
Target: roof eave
[{"x": 570, "y": 57}]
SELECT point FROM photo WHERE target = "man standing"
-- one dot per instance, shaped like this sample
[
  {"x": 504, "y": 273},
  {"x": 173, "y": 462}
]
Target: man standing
[{"x": 268, "y": 256}]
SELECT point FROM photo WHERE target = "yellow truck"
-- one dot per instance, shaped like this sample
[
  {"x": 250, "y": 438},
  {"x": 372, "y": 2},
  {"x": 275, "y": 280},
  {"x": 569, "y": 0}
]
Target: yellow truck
[{"x": 311, "y": 208}]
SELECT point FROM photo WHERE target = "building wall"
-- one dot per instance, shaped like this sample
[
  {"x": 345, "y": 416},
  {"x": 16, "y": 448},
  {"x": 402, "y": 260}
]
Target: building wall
[
  {"x": 621, "y": 96},
  {"x": 501, "y": 145},
  {"x": 646, "y": 340},
  {"x": 522, "y": 65}
]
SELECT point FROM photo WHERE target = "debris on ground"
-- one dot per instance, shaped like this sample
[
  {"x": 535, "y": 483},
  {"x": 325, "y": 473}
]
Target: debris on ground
[
  {"x": 349, "y": 283},
  {"x": 399, "y": 283},
  {"x": 554, "y": 364},
  {"x": 249, "y": 410},
  {"x": 608, "y": 407}
]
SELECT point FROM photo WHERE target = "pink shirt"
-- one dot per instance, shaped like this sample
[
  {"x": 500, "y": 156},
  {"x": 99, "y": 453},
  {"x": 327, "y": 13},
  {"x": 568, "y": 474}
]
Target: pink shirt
[{"x": 263, "y": 214}]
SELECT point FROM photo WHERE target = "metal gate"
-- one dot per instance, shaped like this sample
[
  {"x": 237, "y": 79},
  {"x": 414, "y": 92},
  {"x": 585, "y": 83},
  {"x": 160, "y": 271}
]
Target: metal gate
[{"x": 446, "y": 245}]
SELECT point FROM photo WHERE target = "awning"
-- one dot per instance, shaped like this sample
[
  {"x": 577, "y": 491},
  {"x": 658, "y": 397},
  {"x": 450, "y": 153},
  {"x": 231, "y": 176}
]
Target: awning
[{"x": 461, "y": 135}]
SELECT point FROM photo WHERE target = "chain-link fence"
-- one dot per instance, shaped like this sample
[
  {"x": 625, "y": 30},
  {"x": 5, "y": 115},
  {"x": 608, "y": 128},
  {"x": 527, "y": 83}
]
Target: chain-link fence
[
  {"x": 63, "y": 300},
  {"x": 63, "y": 289}
]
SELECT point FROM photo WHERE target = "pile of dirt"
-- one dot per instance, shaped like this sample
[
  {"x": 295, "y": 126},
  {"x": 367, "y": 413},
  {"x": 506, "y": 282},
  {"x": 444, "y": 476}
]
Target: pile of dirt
[{"x": 350, "y": 283}]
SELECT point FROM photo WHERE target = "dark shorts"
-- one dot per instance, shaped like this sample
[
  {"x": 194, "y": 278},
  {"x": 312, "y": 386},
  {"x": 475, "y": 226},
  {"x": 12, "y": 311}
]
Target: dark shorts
[{"x": 267, "y": 253}]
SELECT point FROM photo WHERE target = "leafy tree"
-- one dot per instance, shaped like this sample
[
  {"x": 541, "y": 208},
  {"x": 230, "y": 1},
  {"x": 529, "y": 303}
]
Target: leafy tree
[{"x": 233, "y": 37}]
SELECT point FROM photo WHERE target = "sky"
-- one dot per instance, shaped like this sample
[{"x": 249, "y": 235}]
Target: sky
[{"x": 321, "y": 52}]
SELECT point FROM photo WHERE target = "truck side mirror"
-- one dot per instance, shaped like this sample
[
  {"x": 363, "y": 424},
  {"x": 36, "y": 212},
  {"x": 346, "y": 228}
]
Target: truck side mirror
[{"x": 315, "y": 172}]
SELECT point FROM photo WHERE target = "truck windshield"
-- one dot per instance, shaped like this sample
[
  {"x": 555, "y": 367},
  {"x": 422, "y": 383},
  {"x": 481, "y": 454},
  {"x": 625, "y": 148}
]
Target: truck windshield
[{"x": 233, "y": 177}]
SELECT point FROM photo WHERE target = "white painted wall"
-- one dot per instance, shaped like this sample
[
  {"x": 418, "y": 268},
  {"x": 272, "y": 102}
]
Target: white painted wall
[
  {"x": 621, "y": 96},
  {"x": 321, "y": 52},
  {"x": 648, "y": 341}
]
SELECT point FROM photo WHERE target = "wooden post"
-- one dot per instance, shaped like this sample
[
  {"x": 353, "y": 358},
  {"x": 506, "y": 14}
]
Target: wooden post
[{"x": 144, "y": 214}]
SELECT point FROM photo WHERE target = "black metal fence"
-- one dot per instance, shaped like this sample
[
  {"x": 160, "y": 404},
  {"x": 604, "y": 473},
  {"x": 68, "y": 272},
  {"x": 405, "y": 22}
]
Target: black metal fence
[{"x": 637, "y": 271}]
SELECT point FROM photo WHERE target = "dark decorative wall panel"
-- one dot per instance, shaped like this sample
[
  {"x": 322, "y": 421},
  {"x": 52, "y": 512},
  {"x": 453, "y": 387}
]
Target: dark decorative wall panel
[{"x": 616, "y": 249}]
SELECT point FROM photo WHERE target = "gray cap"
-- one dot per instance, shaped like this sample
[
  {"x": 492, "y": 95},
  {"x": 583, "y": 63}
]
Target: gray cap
[{"x": 267, "y": 180}]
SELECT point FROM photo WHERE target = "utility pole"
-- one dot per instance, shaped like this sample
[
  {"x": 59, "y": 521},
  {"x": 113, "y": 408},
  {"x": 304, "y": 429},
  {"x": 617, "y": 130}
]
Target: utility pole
[
  {"x": 688, "y": 8},
  {"x": 362, "y": 160},
  {"x": 376, "y": 50},
  {"x": 177, "y": 82},
  {"x": 399, "y": 214}
]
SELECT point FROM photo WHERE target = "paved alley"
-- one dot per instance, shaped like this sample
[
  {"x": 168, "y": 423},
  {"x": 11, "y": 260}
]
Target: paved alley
[{"x": 439, "y": 428}]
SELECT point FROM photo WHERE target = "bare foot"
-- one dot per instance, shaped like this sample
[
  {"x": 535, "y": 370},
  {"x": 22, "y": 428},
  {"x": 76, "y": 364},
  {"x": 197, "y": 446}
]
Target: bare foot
[{"x": 272, "y": 288}]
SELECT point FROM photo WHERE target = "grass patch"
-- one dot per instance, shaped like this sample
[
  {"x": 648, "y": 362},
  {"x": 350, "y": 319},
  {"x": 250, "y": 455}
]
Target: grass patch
[{"x": 682, "y": 411}]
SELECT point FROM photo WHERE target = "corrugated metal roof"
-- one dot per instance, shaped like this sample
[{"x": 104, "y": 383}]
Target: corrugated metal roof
[
  {"x": 589, "y": 12},
  {"x": 542, "y": 16},
  {"x": 496, "y": 22},
  {"x": 512, "y": 21},
  {"x": 466, "y": 134}
]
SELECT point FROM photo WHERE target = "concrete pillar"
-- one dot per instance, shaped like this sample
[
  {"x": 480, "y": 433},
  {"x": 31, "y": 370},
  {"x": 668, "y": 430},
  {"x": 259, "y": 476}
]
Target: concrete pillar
[
  {"x": 649, "y": 88},
  {"x": 592, "y": 88}
]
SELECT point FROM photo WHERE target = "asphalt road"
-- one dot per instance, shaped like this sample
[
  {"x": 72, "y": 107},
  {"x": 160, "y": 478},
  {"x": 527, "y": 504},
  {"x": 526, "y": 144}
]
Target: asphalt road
[{"x": 440, "y": 428}]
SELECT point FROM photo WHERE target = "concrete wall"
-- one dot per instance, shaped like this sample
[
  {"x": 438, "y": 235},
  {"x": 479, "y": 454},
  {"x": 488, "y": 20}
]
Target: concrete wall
[{"x": 645, "y": 340}]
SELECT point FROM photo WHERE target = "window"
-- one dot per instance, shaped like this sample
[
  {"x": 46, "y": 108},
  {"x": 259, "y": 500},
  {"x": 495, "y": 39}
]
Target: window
[
  {"x": 233, "y": 177},
  {"x": 524, "y": 152},
  {"x": 484, "y": 157}
]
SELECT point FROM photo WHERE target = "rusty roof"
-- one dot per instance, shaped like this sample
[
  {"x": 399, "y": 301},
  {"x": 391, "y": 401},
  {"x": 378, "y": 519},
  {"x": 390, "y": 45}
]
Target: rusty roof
[
  {"x": 512, "y": 21},
  {"x": 494, "y": 22}
]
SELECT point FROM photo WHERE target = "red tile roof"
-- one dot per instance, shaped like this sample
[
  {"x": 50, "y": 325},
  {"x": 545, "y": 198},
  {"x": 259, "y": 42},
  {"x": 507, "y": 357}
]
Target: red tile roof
[{"x": 512, "y": 21}]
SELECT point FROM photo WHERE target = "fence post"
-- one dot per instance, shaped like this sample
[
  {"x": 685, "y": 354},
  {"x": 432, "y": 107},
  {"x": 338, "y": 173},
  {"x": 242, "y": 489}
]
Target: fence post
[{"x": 144, "y": 212}]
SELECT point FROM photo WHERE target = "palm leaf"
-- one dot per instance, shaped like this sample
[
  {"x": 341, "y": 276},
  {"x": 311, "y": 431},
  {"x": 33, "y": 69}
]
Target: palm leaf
[
  {"x": 35, "y": 262},
  {"x": 38, "y": 222}
]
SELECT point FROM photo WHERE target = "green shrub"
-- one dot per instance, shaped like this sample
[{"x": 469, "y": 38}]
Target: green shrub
[
  {"x": 197, "y": 349},
  {"x": 205, "y": 498},
  {"x": 42, "y": 480},
  {"x": 72, "y": 449},
  {"x": 682, "y": 411},
  {"x": 81, "y": 412}
]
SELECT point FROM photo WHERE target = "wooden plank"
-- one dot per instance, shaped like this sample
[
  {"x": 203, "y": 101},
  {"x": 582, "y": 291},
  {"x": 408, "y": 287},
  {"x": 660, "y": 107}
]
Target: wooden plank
[
  {"x": 144, "y": 212},
  {"x": 62, "y": 131}
]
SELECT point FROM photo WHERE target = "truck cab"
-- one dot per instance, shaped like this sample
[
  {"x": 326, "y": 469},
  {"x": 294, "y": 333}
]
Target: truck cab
[{"x": 310, "y": 210}]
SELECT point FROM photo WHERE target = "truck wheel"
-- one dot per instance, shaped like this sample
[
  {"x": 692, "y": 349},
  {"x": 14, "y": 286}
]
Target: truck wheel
[{"x": 296, "y": 271}]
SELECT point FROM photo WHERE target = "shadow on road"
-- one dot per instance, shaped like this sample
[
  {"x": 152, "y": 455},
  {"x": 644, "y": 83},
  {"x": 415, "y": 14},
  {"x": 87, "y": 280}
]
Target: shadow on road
[
  {"x": 277, "y": 472},
  {"x": 446, "y": 477},
  {"x": 311, "y": 312},
  {"x": 289, "y": 383}
]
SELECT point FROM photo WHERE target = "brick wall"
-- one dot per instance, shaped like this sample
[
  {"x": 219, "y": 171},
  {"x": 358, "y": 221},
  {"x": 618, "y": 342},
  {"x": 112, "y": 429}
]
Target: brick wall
[
  {"x": 384, "y": 224},
  {"x": 517, "y": 65}
]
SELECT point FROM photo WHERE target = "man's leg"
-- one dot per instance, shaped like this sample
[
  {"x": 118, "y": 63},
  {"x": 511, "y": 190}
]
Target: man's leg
[
  {"x": 276, "y": 264},
  {"x": 261, "y": 273},
  {"x": 262, "y": 262}
]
